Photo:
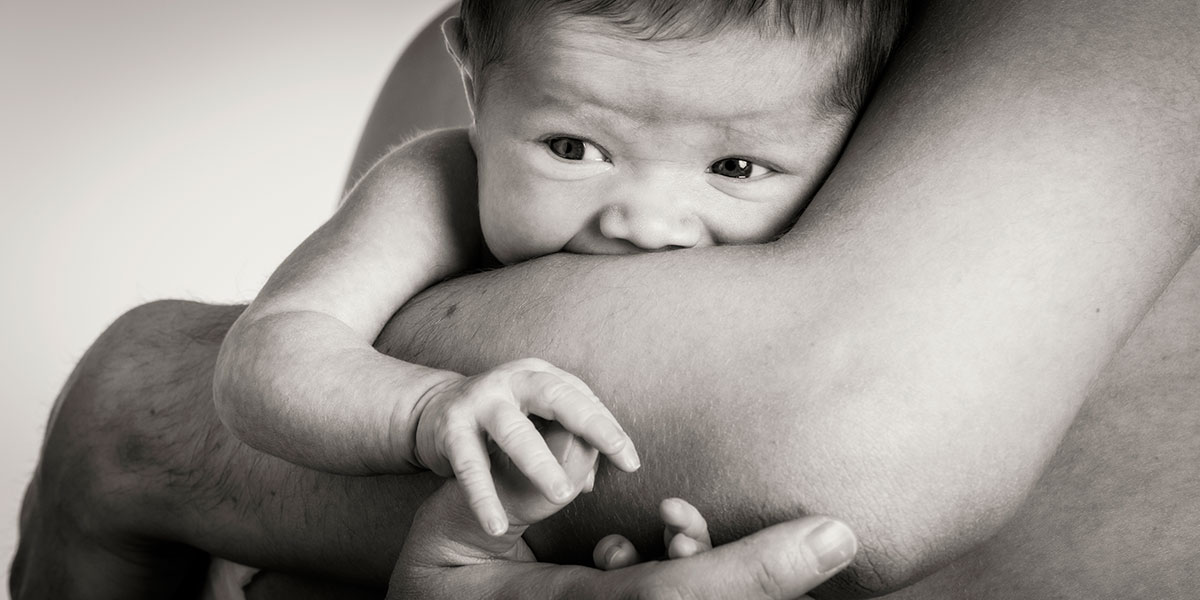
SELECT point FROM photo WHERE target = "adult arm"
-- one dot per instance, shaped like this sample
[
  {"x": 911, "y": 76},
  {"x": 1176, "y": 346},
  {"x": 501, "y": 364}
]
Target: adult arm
[
  {"x": 904, "y": 360},
  {"x": 1017, "y": 195},
  {"x": 908, "y": 357},
  {"x": 137, "y": 472}
]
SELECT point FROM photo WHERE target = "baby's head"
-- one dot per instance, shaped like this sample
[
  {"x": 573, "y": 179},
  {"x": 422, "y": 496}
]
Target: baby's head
[{"x": 615, "y": 126}]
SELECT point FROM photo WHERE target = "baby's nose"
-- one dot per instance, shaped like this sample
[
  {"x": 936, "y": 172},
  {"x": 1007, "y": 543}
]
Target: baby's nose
[{"x": 651, "y": 228}]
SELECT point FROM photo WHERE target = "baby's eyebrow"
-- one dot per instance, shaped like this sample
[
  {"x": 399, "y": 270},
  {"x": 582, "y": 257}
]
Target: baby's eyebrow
[
  {"x": 588, "y": 114},
  {"x": 572, "y": 99},
  {"x": 774, "y": 136}
]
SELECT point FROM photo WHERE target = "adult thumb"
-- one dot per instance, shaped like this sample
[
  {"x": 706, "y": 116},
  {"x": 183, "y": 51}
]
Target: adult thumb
[{"x": 782, "y": 562}]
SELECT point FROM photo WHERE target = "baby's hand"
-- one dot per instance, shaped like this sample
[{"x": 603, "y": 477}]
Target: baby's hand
[
  {"x": 685, "y": 534},
  {"x": 450, "y": 431}
]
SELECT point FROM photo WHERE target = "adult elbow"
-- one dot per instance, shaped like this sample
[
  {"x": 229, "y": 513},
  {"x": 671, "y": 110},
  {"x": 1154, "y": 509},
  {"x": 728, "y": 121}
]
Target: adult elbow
[
  {"x": 916, "y": 504},
  {"x": 903, "y": 540}
]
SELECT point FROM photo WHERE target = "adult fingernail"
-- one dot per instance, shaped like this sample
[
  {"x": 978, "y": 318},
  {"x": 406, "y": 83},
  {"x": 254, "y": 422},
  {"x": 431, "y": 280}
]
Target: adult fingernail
[
  {"x": 610, "y": 555},
  {"x": 685, "y": 546},
  {"x": 590, "y": 484},
  {"x": 834, "y": 545}
]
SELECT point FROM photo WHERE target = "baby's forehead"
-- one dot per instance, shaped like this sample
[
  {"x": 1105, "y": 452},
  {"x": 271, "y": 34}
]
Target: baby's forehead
[{"x": 731, "y": 78}]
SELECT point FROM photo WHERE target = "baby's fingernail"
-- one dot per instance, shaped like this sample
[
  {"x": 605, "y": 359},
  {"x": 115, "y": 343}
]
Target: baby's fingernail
[
  {"x": 834, "y": 545},
  {"x": 590, "y": 484},
  {"x": 496, "y": 526}
]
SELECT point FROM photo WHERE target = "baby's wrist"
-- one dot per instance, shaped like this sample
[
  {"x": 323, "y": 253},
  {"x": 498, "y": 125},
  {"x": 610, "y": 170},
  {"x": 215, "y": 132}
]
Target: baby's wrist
[{"x": 421, "y": 448}]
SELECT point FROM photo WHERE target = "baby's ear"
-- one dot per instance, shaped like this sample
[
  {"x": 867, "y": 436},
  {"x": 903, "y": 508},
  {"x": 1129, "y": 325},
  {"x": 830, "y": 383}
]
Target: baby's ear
[{"x": 452, "y": 31}]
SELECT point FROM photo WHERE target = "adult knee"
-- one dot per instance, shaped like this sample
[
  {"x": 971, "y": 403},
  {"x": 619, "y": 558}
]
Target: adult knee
[
  {"x": 109, "y": 423},
  {"x": 151, "y": 349},
  {"x": 87, "y": 498},
  {"x": 155, "y": 359}
]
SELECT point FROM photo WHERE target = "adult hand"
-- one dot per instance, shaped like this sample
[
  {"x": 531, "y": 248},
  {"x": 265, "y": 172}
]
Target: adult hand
[
  {"x": 783, "y": 561},
  {"x": 448, "y": 555}
]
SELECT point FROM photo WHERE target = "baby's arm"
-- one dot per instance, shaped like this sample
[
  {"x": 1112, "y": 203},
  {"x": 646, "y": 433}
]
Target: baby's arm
[{"x": 297, "y": 375}]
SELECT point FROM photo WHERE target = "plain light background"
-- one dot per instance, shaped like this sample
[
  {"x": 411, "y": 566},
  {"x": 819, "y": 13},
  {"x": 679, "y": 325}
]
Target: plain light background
[{"x": 163, "y": 150}]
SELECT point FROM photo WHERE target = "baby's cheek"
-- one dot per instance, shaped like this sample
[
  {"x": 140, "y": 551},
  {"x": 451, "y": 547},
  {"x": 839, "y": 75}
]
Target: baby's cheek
[
  {"x": 499, "y": 209},
  {"x": 515, "y": 230},
  {"x": 524, "y": 216},
  {"x": 753, "y": 224},
  {"x": 501, "y": 235}
]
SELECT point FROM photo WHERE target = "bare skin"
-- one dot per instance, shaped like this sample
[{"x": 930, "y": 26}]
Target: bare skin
[
  {"x": 447, "y": 555},
  {"x": 1093, "y": 501},
  {"x": 1115, "y": 516}
]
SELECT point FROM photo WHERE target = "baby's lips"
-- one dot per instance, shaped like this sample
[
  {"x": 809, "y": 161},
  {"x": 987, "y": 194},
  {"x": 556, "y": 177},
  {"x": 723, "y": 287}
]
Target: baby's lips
[{"x": 577, "y": 457}]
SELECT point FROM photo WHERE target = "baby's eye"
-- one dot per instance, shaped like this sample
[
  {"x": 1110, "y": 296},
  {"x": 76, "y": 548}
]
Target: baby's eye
[
  {"x": 738, "y": 168},
  {"x": 569, "y": 148}
]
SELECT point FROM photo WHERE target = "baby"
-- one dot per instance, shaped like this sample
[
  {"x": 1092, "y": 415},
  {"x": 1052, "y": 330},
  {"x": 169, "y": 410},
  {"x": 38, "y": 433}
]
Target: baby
[{"x": 600, "y": 127}]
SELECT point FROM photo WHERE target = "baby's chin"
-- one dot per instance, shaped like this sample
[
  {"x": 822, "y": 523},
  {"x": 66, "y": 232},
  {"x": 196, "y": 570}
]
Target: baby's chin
[
  {"x": 508, "y": 254},
  {"x": 506, "y": 258},
  {"x": 511, "y": 248},
  {"x": 502, "y": 246}
]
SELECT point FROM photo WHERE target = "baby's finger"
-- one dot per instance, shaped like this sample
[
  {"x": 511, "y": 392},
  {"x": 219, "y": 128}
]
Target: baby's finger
[
  {"x": 575, "y": 382},
  {"x": 615, "y": 552},
  {"x": 551, "y": 397},
  {"x": 680, "y": 517},
  {"x": 515, "y": 434},
  {"x": 586, "y": 391},
  {"x": 472, "y": 468}
]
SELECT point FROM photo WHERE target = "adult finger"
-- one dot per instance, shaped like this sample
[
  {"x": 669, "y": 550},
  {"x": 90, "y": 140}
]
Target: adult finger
[
  {"x": 680, "y": 517},
  {"x": 784, "y": 561},
  {"x": 524, "y": 502},
  {"x": 516, "y": 435},
  {"x": 615, "y": 551}
]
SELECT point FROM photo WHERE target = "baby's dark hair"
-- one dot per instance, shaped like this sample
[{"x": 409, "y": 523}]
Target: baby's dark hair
[{"x": 862, "y": 32}]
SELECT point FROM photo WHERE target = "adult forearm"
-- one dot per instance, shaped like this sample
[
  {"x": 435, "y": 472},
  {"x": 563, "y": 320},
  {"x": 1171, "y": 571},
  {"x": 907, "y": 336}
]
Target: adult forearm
[
  {"x": 739, "y": 394},
  {"x": 136, "y": 457},
  {"x": 910, "y": 355}
]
